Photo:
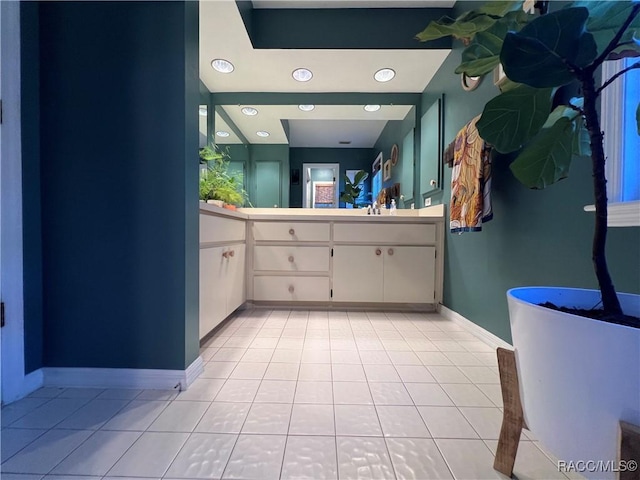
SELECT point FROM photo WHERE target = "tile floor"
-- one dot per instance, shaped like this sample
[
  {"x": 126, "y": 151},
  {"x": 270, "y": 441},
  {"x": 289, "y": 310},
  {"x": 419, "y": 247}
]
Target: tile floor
[{"x": 287, "y": 394}]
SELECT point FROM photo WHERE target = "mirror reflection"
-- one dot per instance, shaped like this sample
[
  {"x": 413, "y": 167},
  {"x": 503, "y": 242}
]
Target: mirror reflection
[
  {"x": 308, "y": 156},
  {"x": 300, "y": 156}
]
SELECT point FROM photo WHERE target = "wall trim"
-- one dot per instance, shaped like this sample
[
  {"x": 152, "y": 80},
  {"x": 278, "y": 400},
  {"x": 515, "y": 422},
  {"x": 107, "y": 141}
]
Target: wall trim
[
  {"x": 622, "y": 214},
  {"x": 153, "y": 379},
  {"x": 474, "y": 329}
]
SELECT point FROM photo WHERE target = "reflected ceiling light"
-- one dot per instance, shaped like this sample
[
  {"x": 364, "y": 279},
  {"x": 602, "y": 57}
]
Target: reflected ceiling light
[
  {"x": 202, "y": 111},
  {"x": 249, "y": 111},
  {"x": 221, "y": 65},
  {"x": 372, "y": 108},
  {"x": 222, "y": 133},
  {"x": 306, "y": 108},
  {"x": 384, "y": 75},
  {"x": 262, "y": 133},
  {"x": 302, "y": 74}
]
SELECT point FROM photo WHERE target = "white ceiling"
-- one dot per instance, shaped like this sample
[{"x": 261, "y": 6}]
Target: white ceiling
[
  {"x": 223, "y": 35},
  {"x": 362, "y": 127},
  {"x": 329, "y": 133}
]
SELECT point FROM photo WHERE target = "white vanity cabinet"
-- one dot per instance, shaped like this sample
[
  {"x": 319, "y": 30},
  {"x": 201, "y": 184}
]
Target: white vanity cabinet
[
  {"x": 390, "y": 263},
  {"x": 222, "y": 269},
  {"x": 290, "y": 261},
  {"x": 318, "y": 258}
]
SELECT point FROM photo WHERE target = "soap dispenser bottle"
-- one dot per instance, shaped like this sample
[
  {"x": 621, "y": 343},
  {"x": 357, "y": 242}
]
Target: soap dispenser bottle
[{"x": 392, "y": 210}]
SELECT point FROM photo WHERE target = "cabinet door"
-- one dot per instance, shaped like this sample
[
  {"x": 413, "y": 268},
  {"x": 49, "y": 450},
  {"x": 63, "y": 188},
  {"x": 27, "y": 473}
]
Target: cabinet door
[
  {"x": 357, "y": 273},
  {"x": 236, "y": 278},
  {"x": 409, "y": 274},
  {"x": 213, "y": 289}
]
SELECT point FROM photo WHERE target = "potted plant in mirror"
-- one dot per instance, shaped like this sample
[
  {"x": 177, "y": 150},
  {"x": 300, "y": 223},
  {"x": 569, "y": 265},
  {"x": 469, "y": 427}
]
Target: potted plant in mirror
[
  {"x": 353, "y": 189},
  {"x": 578, "y": 376},
  {"x": 216, "y": 184}
]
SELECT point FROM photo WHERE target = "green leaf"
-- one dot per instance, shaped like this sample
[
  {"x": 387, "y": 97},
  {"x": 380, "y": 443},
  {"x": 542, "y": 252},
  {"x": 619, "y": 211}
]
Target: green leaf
[
  {"x": 547, "y": 158},
  {"x": 465, "y": 28},
  {"x": 605, "y": 19},
  {"x": 507, "y": 85},
  {"x": 500, "y": 8},
  {"x": 540, "y": 54},
  {"x": 483, "y": 53},
  {"x": 638, "y": 118},
  {"x": 514, "y": 117},
  {"x": 360, "y": 177},
  {"x": 564, "y": 111}
]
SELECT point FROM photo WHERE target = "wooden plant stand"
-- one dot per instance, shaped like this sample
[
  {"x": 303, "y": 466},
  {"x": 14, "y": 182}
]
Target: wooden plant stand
[
  {"x": 513, "y": 423},
  {"x": 513, "y": 418}
]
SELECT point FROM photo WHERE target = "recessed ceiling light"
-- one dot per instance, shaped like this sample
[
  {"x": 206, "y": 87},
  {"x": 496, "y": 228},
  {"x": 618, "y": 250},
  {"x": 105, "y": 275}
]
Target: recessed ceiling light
[
  {"x": 306, "y": 108},
  {"x": 222, "y": 133},
  {"x": 384, "y": 75},
  {"x": 221, "y": 65},
  {"x": 202, "y": 111},
  {"x": 302, "y": 74},
  {"x": 372, "y": 108},
  {"x": 249, "y": 111},
  {"x": 262, "y": 133}
]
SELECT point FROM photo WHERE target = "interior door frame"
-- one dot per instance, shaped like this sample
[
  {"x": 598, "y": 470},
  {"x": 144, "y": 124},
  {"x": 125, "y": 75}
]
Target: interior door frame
[
  {"x": 15, "y": 383},
  {"x": 306, "y": 181}
]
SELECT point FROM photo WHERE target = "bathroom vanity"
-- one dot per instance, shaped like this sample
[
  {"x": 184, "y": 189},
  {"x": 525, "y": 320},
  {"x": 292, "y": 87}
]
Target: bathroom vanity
[{"x": 330, "y": 258}]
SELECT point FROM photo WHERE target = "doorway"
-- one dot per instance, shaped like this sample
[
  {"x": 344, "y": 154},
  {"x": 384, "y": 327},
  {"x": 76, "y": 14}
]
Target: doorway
[
  {"x": 15, "y": 383},
  {"x": 320, "y": 185}
]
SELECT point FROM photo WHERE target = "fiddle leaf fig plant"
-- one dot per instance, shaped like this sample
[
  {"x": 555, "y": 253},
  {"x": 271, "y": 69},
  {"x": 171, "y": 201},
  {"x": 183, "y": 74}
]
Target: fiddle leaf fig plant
[
  {"x": 540, "y": 55},
  {"x": 353, "y": 189}
]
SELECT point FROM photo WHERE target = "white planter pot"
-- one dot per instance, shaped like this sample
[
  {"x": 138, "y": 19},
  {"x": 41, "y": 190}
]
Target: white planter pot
[{"x": 578, "y": 377}]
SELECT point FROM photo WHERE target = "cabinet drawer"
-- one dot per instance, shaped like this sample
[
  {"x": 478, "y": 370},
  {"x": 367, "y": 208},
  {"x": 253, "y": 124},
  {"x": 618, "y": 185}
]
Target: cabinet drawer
[
  {"x": 291, "y": 258},
  {"x": 219, "y": 229},
  {"x": 403, "y": 234},
  {"x": 291, "y": 231},
  {"x": 294, "y": 289}
]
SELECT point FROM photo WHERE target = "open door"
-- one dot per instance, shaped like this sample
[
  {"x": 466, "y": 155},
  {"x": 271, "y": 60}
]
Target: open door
[{"x": 320, "y": 186}]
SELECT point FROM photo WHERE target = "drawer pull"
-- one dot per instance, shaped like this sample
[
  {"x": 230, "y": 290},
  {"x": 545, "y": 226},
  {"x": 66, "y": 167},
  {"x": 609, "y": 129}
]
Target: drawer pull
[
  {"x": 291, "y": 259},
  {"x": 378, "y": 252},
  {"x": 291, "y": 289},
  {"x": 225, "y": 254},
  {"x": 390, "y": 251},
  {"x": 232, "y": 253},
  {"x": 292, "y": 231}
]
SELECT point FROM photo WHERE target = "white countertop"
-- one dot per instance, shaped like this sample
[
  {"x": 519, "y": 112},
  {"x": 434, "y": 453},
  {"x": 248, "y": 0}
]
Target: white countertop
[{"x": 434, "y": 213}]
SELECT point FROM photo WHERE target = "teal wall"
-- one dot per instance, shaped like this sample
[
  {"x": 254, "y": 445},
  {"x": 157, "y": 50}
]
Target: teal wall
[
  {"x": 536, "y": 237},
  {"x": 31, "y": 211},
  {"x": 119, "y": 176},
  {"x": 348, "y": 158},
  {"x": 396, "y": 132},
  {"x": 351, "y": 28}
]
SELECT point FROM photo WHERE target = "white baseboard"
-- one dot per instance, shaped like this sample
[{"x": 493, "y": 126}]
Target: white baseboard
[
  {"x": 123, "y": 377},
  {"x": 474, "y": 329}
]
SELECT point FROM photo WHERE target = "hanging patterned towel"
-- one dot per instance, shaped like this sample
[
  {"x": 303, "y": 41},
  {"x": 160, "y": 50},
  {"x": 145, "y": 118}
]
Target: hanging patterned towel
[{"x": 470, "y": 181}]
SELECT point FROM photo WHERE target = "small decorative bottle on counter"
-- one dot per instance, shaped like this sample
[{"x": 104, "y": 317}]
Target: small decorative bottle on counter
[{"x": 392, "y": 210}]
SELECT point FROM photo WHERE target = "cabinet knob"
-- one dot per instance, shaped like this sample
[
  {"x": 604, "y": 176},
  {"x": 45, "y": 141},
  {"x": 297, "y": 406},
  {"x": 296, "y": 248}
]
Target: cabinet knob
[
  {"x": 390, "y": 251},
  {"x": 378, "y": 252},
  {"x": 232, "y": 253},
  {"x": 225, "y": 254},
  {"x": 292, "y": 231},
  {"x": 290, "y": 258},
  {"x": 291, "y": 289}
]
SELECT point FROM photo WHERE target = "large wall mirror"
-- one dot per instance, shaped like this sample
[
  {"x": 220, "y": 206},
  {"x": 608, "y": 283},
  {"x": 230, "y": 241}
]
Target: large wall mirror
[
  {"x": 277, "y": 145},
  {"x": 431, "y": 147}
]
